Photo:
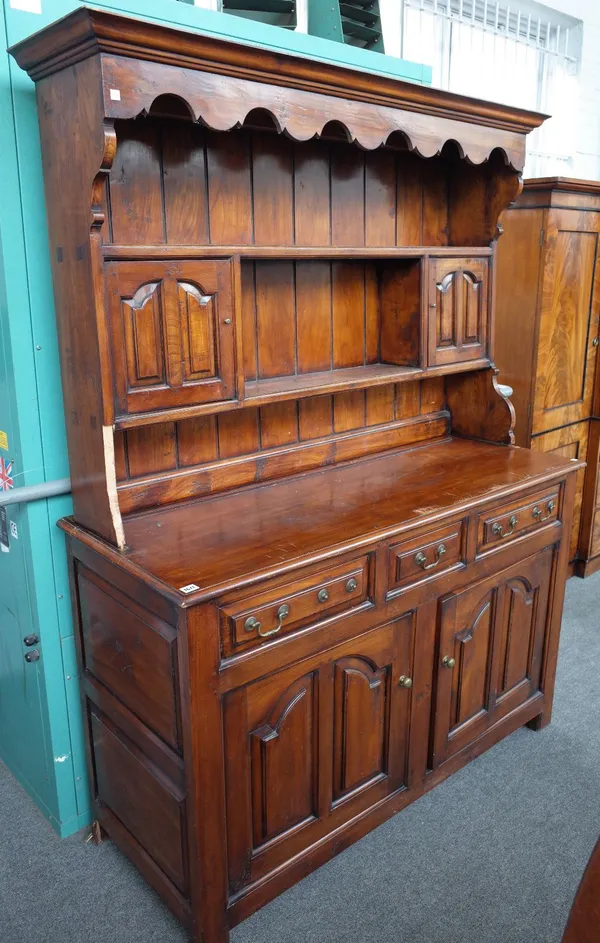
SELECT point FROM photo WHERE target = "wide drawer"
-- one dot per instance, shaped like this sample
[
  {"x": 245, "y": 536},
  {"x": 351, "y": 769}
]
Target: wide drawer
[
  {"x": 430, "y": 554},
  {"x": 277, "y": 608},
  {"x": 513, "y": 519}
]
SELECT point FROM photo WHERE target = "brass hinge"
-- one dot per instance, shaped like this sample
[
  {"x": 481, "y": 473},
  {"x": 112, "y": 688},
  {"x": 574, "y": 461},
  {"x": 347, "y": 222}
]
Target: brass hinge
[{"x": 542, "y": 234}]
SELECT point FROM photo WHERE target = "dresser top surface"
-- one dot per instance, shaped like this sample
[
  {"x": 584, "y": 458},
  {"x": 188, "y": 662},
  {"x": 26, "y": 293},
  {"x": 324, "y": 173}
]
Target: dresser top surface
[{"x": 232, "y": 539}]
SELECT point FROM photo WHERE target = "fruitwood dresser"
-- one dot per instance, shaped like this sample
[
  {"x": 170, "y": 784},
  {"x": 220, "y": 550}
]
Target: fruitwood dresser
[{"x": 311, "y": 575}]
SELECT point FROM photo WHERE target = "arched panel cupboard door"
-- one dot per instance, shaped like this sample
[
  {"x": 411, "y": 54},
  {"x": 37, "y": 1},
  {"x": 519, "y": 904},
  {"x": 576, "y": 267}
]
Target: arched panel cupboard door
[
  {"x": 173, "y": 333},
  {"x": 490, "y": 653},
  {"x": 458, "y": 310},
  {"x": 311, "y": 746}
]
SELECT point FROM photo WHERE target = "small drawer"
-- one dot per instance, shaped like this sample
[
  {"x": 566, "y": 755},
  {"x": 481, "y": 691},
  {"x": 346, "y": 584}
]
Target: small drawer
[
  {"x": 502, "y": 524},
  {"x": 278, "y": 608},
  {"x": 428, "y": 555}
]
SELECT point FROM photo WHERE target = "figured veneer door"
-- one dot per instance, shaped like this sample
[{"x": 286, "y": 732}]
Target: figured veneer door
[
  {"x": 568, "y": 321},
  {"x": 458, "y": 310},
  {"x": 173, "y": 333},
  {"x": 490, "y": 652},
  {"x": 313, "y": 745}
]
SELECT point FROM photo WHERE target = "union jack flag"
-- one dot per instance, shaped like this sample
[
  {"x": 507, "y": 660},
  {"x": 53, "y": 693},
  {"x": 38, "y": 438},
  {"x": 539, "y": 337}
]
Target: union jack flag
[{"x": 6, "y": 480}]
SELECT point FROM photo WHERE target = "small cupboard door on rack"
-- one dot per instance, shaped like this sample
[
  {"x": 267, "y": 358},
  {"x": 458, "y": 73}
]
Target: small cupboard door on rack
[
  {"x": 457, "y": 310},
  {"x": 315, "y": 744},
  {"x": 568, "y": 327},
  {"x": 172, "y": 328},
  {"x": 491, "y": 646}
]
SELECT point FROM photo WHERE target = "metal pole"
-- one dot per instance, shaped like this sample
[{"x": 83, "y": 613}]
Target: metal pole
[{"x": 47, "y": 489}]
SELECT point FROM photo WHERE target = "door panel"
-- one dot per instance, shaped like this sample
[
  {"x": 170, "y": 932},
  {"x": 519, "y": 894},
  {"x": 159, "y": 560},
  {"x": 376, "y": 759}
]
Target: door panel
[
  {"x": 472, "y": 652},
  {"x": 570, "y": 442},
  {"x": 566, "y": 358},
  {"x": 313, "y": 745},
  {"x": 361, "y": 704},
  {"x": 457, "y": 310},
  {"x": 518, "y": 643},
  {"x": 173, "y": 333},
  {"x": 284, "y": 764},
  {"x": 490, "y": 652}
]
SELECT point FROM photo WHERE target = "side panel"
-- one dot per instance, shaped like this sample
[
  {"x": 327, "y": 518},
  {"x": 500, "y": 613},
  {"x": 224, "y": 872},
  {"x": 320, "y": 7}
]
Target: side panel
[{"x": 518, "y": 265}]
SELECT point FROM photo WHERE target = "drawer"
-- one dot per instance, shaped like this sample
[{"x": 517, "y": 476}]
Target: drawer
[
  {"x": 426, "y": 556},
  {"x": 504, "y": 523},
  {"x": 277, "y": 608}
]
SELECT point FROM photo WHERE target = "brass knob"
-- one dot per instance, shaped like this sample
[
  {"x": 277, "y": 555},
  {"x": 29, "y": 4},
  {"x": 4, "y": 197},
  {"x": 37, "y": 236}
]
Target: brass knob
[
  {"x": 595, "y": 342},
  {"x": 448, "y": 662},
  {"x": 351, "y": 585},
  {"x": 323, "y": 595},
  {"x": 404, "y": 681}
]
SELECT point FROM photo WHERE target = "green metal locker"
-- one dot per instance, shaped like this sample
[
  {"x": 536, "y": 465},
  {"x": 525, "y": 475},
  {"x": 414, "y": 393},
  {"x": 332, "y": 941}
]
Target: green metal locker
[{"x": 41, "y": 737}]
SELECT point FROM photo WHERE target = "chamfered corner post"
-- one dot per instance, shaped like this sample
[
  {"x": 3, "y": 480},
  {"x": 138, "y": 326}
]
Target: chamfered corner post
[{"x": 204, "y": 753}]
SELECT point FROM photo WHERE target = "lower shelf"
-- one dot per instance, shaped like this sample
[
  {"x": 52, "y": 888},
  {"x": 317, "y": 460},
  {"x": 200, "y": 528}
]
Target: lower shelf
[{"x": 328, "y": 381}]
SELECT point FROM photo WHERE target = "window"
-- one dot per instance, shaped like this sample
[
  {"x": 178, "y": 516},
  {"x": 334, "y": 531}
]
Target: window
[{"x": 525, "y": 55}]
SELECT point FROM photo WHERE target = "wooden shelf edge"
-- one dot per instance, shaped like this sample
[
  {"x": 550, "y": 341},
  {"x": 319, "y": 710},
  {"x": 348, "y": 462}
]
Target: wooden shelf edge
[
  {"x": 289, "y": 253},
  {"x": 259, "y": 392},
  {"x": 396, "y": 375}
]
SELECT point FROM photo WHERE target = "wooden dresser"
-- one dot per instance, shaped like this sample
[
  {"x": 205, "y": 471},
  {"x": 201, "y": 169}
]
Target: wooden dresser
[
  {"x": 546, "y": 345},
  {"x": 311, "y": 575}
]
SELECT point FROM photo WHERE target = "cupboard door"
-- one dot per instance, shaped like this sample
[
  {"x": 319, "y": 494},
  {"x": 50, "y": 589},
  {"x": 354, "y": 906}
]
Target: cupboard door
[
  {"x": 458, "y": 310},
  {"x": 570, "y": 442},
  {"x": 590, "y": 525},
  {"x": 568, "y": 321},
  {"x": 172, "y": 327},
  {"x": 490, "y": 652},
  {"x": 314, "y": 745}
]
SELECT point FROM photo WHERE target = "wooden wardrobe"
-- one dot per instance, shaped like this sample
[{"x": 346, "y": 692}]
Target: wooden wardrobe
[
  {"x": 311, "y": 575},
  {"x": 548, "y": 307}
]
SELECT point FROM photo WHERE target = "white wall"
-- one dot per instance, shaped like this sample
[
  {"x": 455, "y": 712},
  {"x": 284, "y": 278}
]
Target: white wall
[{"x": 586, "y": 147}]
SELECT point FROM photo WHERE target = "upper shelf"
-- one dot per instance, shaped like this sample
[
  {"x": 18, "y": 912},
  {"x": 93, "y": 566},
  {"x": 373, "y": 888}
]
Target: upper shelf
[
  {"x": 133, "y": 253},
  {"x": 141, "y": 61}
]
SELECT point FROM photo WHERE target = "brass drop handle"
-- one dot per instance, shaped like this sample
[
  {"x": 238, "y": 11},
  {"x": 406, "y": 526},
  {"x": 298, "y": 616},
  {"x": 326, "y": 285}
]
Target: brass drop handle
[
  {"x": 539, "y": 514},
  {"x": 421, "y": 559},
  {"x": 323, "y": 595},
  {"x": 448, "y": 662},
  {"x": 404, "y": 681},
  {"x": 253, "y": 625},
  {"x": 351, "y": 585},
  {"x": 498, "y": 529}
]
